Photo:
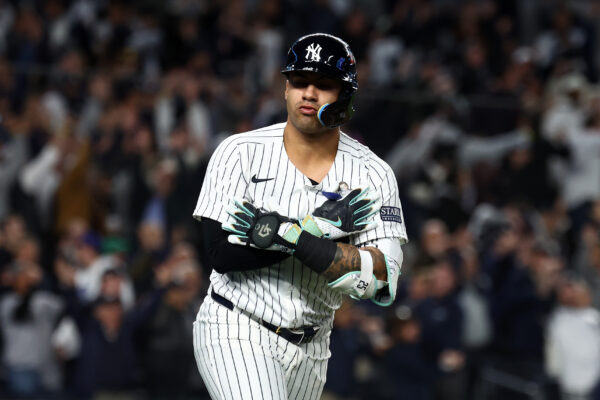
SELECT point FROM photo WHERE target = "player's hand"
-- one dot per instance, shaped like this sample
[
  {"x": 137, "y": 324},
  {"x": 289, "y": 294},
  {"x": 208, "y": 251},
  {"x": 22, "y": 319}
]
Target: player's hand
[
  {"x": 346, "y": 213},
  {"x": 264, "y": 229}
]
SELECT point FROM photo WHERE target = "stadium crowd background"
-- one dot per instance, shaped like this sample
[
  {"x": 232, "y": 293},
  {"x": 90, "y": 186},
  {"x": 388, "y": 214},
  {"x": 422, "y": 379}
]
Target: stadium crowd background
[{"x": 486, "y": 110}]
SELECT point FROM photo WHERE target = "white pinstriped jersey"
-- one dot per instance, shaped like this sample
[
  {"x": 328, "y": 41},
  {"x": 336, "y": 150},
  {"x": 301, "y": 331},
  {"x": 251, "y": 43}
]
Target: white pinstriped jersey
[{"x": 254, "y": 165}]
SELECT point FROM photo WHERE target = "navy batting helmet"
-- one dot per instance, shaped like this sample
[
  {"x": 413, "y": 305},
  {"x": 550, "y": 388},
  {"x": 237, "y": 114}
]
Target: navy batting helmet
[{"x": 330, "y": 56}]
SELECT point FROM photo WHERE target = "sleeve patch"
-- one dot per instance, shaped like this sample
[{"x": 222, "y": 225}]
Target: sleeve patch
[{"x": 393, "y": 214}]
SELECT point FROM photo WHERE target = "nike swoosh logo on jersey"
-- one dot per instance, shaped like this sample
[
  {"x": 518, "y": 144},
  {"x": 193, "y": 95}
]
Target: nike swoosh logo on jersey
[
  {"x": 337, "y": 223},
  {"x": 258, "y": 180}
]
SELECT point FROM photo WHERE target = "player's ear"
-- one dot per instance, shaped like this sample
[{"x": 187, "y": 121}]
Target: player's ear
[{"x": 287, "y": 86}]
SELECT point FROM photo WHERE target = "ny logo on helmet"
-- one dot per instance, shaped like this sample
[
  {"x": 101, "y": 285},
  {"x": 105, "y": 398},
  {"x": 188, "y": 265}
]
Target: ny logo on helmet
[{"x": 314, "y": 52}]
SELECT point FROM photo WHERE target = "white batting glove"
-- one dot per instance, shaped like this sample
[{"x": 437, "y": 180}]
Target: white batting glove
[{"x": 354, "y": 211}]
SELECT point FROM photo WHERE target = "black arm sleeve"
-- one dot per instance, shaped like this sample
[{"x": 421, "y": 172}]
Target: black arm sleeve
[{"x": 226, "y": 257}]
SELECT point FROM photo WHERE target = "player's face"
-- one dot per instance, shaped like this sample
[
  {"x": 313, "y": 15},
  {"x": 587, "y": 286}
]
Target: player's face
[{"x": 305, "y": 93}]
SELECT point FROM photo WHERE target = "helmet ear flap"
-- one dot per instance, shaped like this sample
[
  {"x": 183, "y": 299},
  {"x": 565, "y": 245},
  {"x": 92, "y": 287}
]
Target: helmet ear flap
[{"x": 332, "y": 115}]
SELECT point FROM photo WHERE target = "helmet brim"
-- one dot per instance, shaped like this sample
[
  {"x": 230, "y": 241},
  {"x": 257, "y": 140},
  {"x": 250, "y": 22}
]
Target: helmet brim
[{"x": 330, "y": 72}]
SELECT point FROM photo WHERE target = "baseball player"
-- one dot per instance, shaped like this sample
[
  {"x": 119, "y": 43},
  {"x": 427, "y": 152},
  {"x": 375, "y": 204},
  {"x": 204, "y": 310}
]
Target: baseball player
[{"x": 296, "y": 215}]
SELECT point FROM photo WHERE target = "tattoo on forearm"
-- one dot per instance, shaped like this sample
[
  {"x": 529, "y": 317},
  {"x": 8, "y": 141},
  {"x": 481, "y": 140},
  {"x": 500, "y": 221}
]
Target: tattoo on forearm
[{"x": 347, "y": 259}]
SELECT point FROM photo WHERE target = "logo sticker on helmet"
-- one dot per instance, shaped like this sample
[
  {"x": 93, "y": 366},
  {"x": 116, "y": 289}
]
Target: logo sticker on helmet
[{"x": 314, "y": 52}]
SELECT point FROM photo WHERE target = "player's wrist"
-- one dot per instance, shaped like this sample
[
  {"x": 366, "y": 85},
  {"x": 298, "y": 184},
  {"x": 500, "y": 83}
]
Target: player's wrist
[
  {"x": 315, "y": 252},
  {"x": 309, "y": 225},
  {"x": 358, "y": 284}
]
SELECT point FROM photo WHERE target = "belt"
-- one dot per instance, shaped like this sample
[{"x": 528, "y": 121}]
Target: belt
[{"x": 296, "y": 336}]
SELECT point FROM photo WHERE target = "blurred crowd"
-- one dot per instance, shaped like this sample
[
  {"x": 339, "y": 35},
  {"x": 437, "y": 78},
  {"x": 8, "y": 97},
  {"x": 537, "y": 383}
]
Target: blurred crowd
[{"x": 487, "y": 111}]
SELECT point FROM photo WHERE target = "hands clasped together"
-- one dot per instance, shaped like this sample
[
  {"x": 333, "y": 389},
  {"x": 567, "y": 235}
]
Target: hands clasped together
[{"x": 344, "y": 213}]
